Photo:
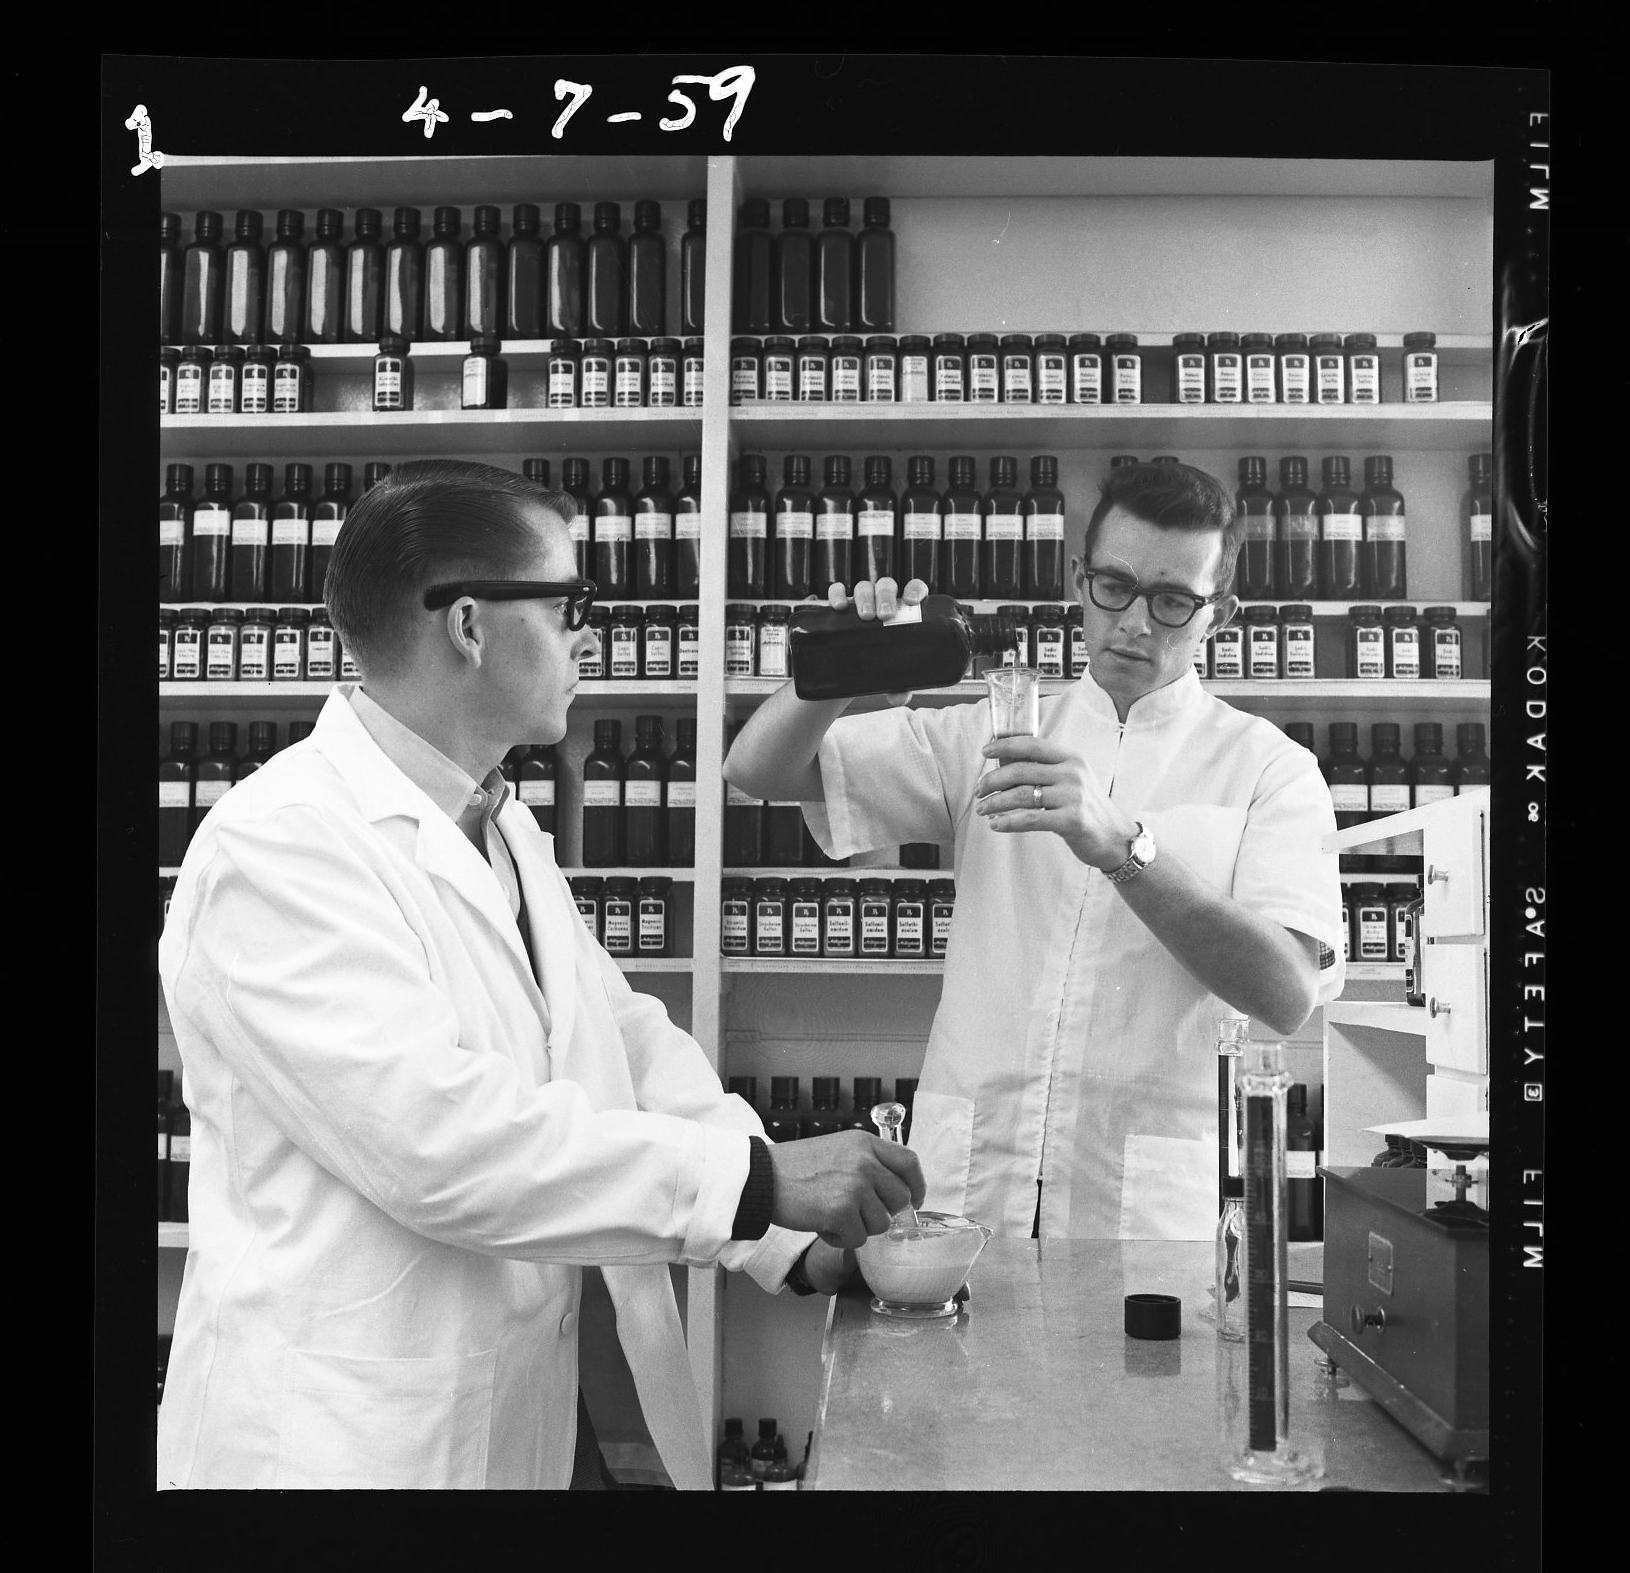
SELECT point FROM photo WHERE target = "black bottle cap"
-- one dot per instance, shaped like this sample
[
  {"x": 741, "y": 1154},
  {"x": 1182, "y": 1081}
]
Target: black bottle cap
[
  {"x": 257, "y": 478},
  {"x": 291, "y": 224},
  {"x": 568, "y": 217},
  {"x": 962, "y": 468},
  {"x": 1084, "y": 341},
  {"x": 836, "y": 469},
  {"x": 1116, "y": 460},
  {"x": 1344, "y": 735},
  {"x": 656, "y": 473},
  {"x": 1293, "y": 470},
  {"x": 1188, "y": 341},
  {"x": 613, "y": 475},
  {"x": 1384, "y": 737},
  {"x": 685, "y": 731},
  {"x": 1420, "y": 341},
  {"x": 835, "y": 213},
  {"x": 795, "y": 213},
  {"x": 536, "y": 470},
  {"x": 648, "y": 729},
  {"x": 1253, "y": 470},
  {"x": 296, "y": 478},
  {"x": 373, "y": 473},
  {"x": 1290, "y": 341},
  {"x": 1004, "y": 470},
  {"x": 1222, "y": 341},
  {"x": 1256, "y": 341},
  {"x": 575, "y": 473},
  {"x": 696, "y": 213},
  {"x": 608, "y": 217},
  {"x": 217, "y": 478},
  {"x": 1398, "y": 614},
  {"x": 1378, "y": 470},
  {"x": 1153, "y": 1316},
  {"x": 905, "y": 1089},
  {"x": 745, "y": 1087},
  {"x": 178, "y": 478},
  {"x": 1122, "y": 340},
  {"x": 337, "y": 480},
  {"x": 206, "y": 225},
  {"x": 1469, "y": 737},
  {"x": 876, "y": 212},
  {"x": 368, "y": 223},
  {"x": 1301, "y": 732},
  {"x": 488, "y": 219},
  {"x": 877, "y": 469},
  {"x": 1296, "y": 612},
  {"x": 1044, "y": 469},
  {"x": 919, "y": 470},
  {"x": 868, "y": 1092},
  {"x": 1428, "y": 737},
  {"x": 183, "y": 736},
  {"x": 447, "y": 221},
  {"x": 608, "y": 732},
  {"x": 795, "y": 469},
  {"x": 824, "y": 1090},
  {"x": 692, "y": 469},
  {"x": 300, "y": 730},
  {"x": 486, "y": 344},
  {"x": 223, "y": 737},
  {"x": 330, "y": 223},
  {"x": 247, "y": 224},
  {"x": 1364, "y": 613},
  {"x": 263, "y": 734},
  {"x": 169, "y": 228},
  {"x": 1296, "y": 1101},
  {"x": 1165, "y": 458},
  {"x": 766, "y": 1428},
  {"x": 393, "y": 344},
  {"x": 1360, "y": 341},
  {"x": 755, "y": 213},
  {"x": 949, "y": 341},
  {"x": 1337, "y": 472},
  {"x": 750, "y": 469},
  {"x": 1324, "y": 341},
  {"x": 647, "y": 214},
  {"x": 405, "y": 223},
  {"x": 527, "y": 218}
]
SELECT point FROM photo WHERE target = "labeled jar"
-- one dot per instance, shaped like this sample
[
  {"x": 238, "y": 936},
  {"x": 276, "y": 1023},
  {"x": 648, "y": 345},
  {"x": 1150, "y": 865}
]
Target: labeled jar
[
  {"x": 1420, "y": 368},
  {"x": 657, "y": 630},
  {"x": 1075, "y": 641},
  {"x": 322, "y": 648},
  {"x": 740, "y": 639},
  {"x": 221, "y": 644},
  {"x": 167, "y": 617},
  {"x": 484, "y": 377},
  {"x": 168, "y": 359},
  {"x": 874, "y": 911},
  {"x": 1049, "y": 632},
  {"x": 735, "y": 916},
  {"x": 1018, "y": 653},
  {"x": 662, "y": 374},
  {"x": 588, "y": 895},
  {"x": 1018, "y": 369},
  {"x": 628, "y": 375},
  {"x": 746, "y": 358},
  {"x": 778, "y": 369},
  {"x": 1363, "y": 369},
  {"x": 255, "y": 645},
  {"x": 255, "y": 380},
  {"x": 1225, "y": 369},
  {"x": 911, "y": 920},
  {"x": 838, "y": 918},
  {"x": 984, "y": 369},
  {"x": 289, "y": 644},
  {"x": 689, "y": 652},
  {"x": 1372, "y": 923},
  {"x": 225, "y": 371},
  {"x": 1188, "y": 368},
  {"x": 1400, "y": 897},
  {"x": 191, "y": 374},
  {"x": 772, "y": 640},
  {"x": 624, "y": 652},
  {"x": 941, "y": 909},
  {"x": 393, "y": 374},
  {"x": 1441, "y": 653},
  {"x": 1261, "y": 642},
  {"x": 1256, "y": 349},
  {"x": 653, "y": 932},
  {"x": 1403, "y": 642},
  {"x": 1125, "y": 368},
  {"x": 592, "y": 663},
  {"x": 804, "y": 929},
  {"x": 814, "y": 357},
  {"x": 1329, "y": 362},
  {"x": 770, "y": 916},
  {"x": 1366, "y": 643},
  {"x": 350, "y": 672},
  {"x": 594, "y": 374},
  {"x": 1228, "y": 652},
  {"x": 1296, "y": 640},
  {"x": 1295, "y": 368},
  {"x": 916, "y": 362},
  {"x": 191, "y": 636},
  {"x": 291, "y": 381},
  {"x": 617, "y": 915},
  {"x": 1086, "y": 369},
  {"x": 561, "y": 372},
  {"x": 950, "y": 368},
  {"x": 1202, "y": 659},
  {"x": 1052, "y": 369},
  {"x": 691, "y": 371},
  {"x": 846, "y": 369},
  {"x": 882, "y": 369}
]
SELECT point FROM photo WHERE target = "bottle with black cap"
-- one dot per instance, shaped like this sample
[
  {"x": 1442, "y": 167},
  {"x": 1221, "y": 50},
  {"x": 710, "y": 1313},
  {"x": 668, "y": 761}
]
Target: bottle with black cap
[
  {"x": 1389, "y": 776},
  {"x": 286, "y": 280},
  {"x": 364, "y": 281},
  {"x": 763, "y": 1450},
  {"x": 693, "y": 268},
  {"x": 537, "y": 471},
  {"x": 834, "y": 269},
  {"x": 794, "y": 268},
  {"x": 1254, "y": 503},
  {"x": 1470, "y": 769},
  {"x": 574, "y": 481},
  {"x": 1385, "y": 554},
  {"x": 536, "y": 777},
  {"x": 613, "y": 516},
  {"x": 603, "y": 797},
  {"x": 679, "y": 813},
  {"x": 212, "y": 534},
  {"x": 749, "y": 520},
  {"x": 444, "y": 278},
  {"x": 794, "y": 529},
  {"x": 403, "y": 286},
  {"x": 752, "y": 290},
  {"x": 202, "y": 276},
  {"x": 565, "y": 269},
  {"x": 177, "y": 772},
  {"x": 244, "y": 291},
  {"x": 644, "y": 819},
  {"x": 325, "y": 280},
  {"x": 1043, "y": 511},
  {"x": 251, "y": 535},
  {"x": 960, "y": 556},
  {"x": 262, "y": 745},
  {"x": 647, "y": 273},
  {"x": 781, "y": 1123},
  {"x": 175, "y": 508},
  {"x": 877, "y": 521},
  {"x": 524, "y": 275},
  {"x": 484, "y": 380},
  {"x": 288, "y": 571},
  {"x": 688, "y": 529},
  {"x": 868, "y": 1094},
  {"x": 1340, "y": 532},
  {"x": 874, "y": 269},
  {"x": 605, "y": 304},
  {"x": 1431, "y": 777},
  {"x": 1304, "y": 1190},
  {"x": 654, "y": 532},
  {"x": 213, "y": 777},
  {"x": 833, "y": 558},
  {"x": 484, "y": 287},
  {"x": 169, "y": 278},
  {"x": 1002, "y": 522},
  {"x": 1477, "y": 509},
  {"x": 921, "y": 525},
  {"x": 327, "y": 515},
  {"x": 825, "y": 1118},
  {"x": 1296, "y": 532}
]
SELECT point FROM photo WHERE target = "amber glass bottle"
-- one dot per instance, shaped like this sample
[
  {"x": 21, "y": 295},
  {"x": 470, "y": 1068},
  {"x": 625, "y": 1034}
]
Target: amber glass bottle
[
  {"x": 693, "y": 268},
  {"x": 251, "y": 535},
  {"x": 613, "y": 532},
  {"x": 834, "y": 529},
  {"x": 245, "y": 286},
  {"x": 325, "y": 280},
  {"x": 746, "y": 574},
  {"x": 289, "y": 562},
  {"x": 603, "y": 797},
  {"x": 834, "y": 269},
  {"x": 524, "y": 273},
  {"x": 444, "y": 278},
  {"x": 404, "y": 279},
  {"x": 1296, "y": 532},
  {"x": 1382, "y": 509},
  {"x": 364, "y": 281},
  {"x": 644, "y": 819},
  {"x": 565, "y": 264},
  {"x": 327, "y": 515},
  {"x": 681, "y": 796},
  {"x": 1254, "y": 575},
  {"x": 794, "y": 531},
  {"x": 877, "y": 522},
  {"x": 959, "y": 556},
  {"x": 688, "y": 529},
  {"x": 286, "y": 280},
  {"x": 606, "y": 294},
  {"x": 1002, "y": 521},
  {"x": 212, "y": 534},
  {"x": 175, "y": 534},
  {"x": 169, "y": 278},
  {"x": 1340, "y": 533},
  {"x": 654, "y": 532},
  {"x": 794, "y": 268},
  {"x": 1044, "y": 531},
  {"x": 920, "y": 524},
  {"x": 647, "y": 273}
]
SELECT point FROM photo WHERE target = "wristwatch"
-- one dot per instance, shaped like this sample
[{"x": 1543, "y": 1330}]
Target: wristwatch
[{"x": 1142, "y": 855}]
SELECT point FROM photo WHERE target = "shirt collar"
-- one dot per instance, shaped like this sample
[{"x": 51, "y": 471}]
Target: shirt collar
[
  {"x": 1164, "y": 703},
  {"x": 449, "y": 786}
]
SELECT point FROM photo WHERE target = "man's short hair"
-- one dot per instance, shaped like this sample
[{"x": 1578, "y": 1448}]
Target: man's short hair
[
  {"x": 1171, "y": 497},
  {"x": 426, "y": 523}
]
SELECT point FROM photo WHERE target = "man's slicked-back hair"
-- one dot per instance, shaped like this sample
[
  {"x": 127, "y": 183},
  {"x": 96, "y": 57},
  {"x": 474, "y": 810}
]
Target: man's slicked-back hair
[
  {"x": 426, "y": 523},
  {"x": 1171, "y": 497}
]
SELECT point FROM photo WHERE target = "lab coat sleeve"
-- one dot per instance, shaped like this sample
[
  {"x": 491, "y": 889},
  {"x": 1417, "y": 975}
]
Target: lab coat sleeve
[
  {"x": 672, "y": 1074},
  {"x": 301, "y": 966}
]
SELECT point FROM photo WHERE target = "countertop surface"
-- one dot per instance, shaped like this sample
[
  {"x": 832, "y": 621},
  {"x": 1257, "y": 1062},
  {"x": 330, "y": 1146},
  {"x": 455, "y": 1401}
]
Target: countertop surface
[{"x": 1035, "y": 1386}]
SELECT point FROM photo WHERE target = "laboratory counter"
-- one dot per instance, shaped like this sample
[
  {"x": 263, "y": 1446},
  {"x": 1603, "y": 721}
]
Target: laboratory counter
[{"x": 1035, "y": 1385}]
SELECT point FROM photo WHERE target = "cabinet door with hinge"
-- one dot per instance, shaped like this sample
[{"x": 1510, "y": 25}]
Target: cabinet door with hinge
[
  {"x": 1456, "y": 980},
  {"x": 1455, "y": 876}
]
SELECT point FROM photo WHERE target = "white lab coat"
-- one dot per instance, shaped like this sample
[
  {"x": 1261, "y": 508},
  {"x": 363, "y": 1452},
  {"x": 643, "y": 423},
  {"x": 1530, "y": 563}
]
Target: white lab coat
[{"x": 404, "y": 1151}]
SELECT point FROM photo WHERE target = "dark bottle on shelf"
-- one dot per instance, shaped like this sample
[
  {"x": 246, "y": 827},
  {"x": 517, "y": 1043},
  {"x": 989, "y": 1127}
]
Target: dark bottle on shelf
[
  {"x": 403, "y": 288},
  {"x": 212, "y": 534},
  {"x": 176, "y": 773},
  {"x": 647, "y": 273},
  {"x": 960, "y": 555},
  {"x": 1001, "y": 568},
  {"x": 286, "y": 280},
  {"x": 833, "y": 558},
  {"x": 834, "y": 269},
  {"x": 537, "y": 774},
  {"x": 574, "y": 481},
  {"x": 1431, "y": 777},
  {"x": 688, "y": 529},
  {"x": 325, "y": 280},
  {"x": 643, "y": 816},
  {"x": 169, "y": 278},
  {"x": 288, "y": 573},
  {"x": 1304, "y": 1190},
  {"x": 372, "y": 474},
  {"x": 794, "y": 268},
  {"x": 1477, "y": 508},
  {"x": 921, "y": 525},
  {"x": 251, "y": 535},
  {"x": 327, "y": 515},
  {"x": 839, "y": 655},
  {"x": 524, "y": 275},
  {"x": 364, "y": 281},
  {"x": 681, "y": 803},
  {"x": 794, "y": 531},
  {"x": 1340, "y": 533},
  {"x": 1043, "y": 511},
  {"x": 877, "y": 522},
  {"x": 654, "y": 532},
  {"x": 783, "y": 834},
  {"x": 1471, "y": 766},
  {"x": 781, "y": 1124},
  {"x": 245, "y": 287},
  {"x": 749, "y": 519},
  {"x": 603, "y": 797},
  {"x": 180, "y": 1161},
  {"x": 175, "y": 534},
  {"x": 905, "y": 1091},
  {"x": 752, "y": 295},
  {"x": 1253, "y": 575},
  {"x": 1296, "y": 532},
  {"x": 693, "y": 268},
  {"x": 1389, "y": 775},
  {"x": 1348, "y": 780},
  {"x": 605, "y": 296},
  {"x": 262, "y": 745},
  {"x": 874, "y": 270},
  {"x": 743, "y": 822},
  {"x": 484, "y": 288},
  {"x": 565, "y": 267},
  {"x": 1382, "y": 509},
  {"x": 444, "y": 278},
  {"x": 824, "y": 1117},
  {"x": 203, "y": 273},
  {"x": 867, "y": 1095},
  {"x": 213, "y": 777},
  {"x": 613, "y": 532},
  {"x": 537, "y": 471}
]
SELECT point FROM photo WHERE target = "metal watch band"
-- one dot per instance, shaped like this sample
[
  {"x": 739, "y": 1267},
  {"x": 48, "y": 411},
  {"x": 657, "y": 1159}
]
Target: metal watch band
[{"x": 1133, "y": 866}]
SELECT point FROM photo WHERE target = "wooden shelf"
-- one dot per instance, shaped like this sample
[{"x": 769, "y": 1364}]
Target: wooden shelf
[
  {"x": 840, "y": 966},
  {"x": 172, "y": 1236},
  {"x": 1387, "y": 1015}
]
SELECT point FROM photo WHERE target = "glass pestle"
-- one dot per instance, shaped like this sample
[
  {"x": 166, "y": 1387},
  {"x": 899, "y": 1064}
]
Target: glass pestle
[{"x": 887, "y": 1117}]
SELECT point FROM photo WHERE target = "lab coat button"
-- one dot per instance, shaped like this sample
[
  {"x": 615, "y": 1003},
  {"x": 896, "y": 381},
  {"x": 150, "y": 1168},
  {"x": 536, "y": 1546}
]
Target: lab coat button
[{"x": 568, "y": 1324}]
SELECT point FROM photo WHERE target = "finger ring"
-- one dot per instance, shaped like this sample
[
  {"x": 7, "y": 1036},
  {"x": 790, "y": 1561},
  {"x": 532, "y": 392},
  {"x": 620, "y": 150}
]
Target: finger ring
[{"x": 1035, "y": 792}]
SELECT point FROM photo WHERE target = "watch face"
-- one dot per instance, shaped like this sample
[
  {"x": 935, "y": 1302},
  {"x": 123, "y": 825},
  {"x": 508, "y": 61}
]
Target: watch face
[{"x": 1143, "y": 846}]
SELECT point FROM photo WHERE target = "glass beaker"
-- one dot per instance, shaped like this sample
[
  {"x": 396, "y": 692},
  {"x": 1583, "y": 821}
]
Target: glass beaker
[{"x": 1015, "y": 701}]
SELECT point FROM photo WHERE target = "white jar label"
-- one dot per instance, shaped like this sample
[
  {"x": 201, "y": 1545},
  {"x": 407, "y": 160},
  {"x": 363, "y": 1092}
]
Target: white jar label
[
  {"x": 812, "y": 378},
  {"x": 1050, "y": 651},
  {"x": 1052, "y": 386},
  {"x": 189, "y": 383},
  {"x": 643, "y": 794},
  {"x": 1445, "y": 652},
  {"x": 596, "y": 380},
  {"x": 1299, "y": 650},
  {"x": 876, "y": 521},
  {"x": 1264, "y": 651},
  {"x": 874, "y": 930},
  {"x": 982, "y": 378},
  {"x": 1366, "y": 380},
  {"x": 653, "y": 923},
  {"x": 1388, "y": 798},
  {"x": 846, "y": 378},
  {"x": 1384, "y": 527},
  {"x": 1191, "y": 379},
  {"x": 1301, "y": 1165},
  {"x": 252, "y": 400},
  {"x": 1331, "y": 381},
  {"x": 1350, "y": 797},
  {"x": 175, "y": 794},
  {"x": 658, "y": 650},
  {"x": 835, "y": 527},
  {"x": 578, "y": 528},
  {"x": 1016, "y": 381},
  {"x": 537, "y": 794},
  {"x": 1293, "y": 379},
  {"x": 738, "y": 652},
  {"x": 1299, "y": 527},
  {"x": 586, "y": 911},
  {"x": 625, "y": 652},
  {"x": 1482, "y": 526},
  {"x": 1433, "y": 793},
  {"x": 1342, "y": 527},
  {"x": 602, "y": 794},
  {"x": 1372, "y": 934},
  {"x": 1259, "y": 379},
  {"x": 660, "y": 392},
  {"x": 171, "y": 532},
  {"x": 840, "y": 930},
  {"x": 387, "y": 385},
  {"x": 654, "y": 526},
  {"x": 778, "y": 377},
  {"x": 1089, "y": 379},
  {"x": 223, "y": 390},
  {"x": 475, "y": 380},
  {"x": 1228, "y": 653},
  {"x": 922, "y": 526},
  {"x": 767, "y": 920},
  {"x": 1421, "y": 378},
  {"x": 181, "y": 1149},
  {"x": 350, "y": 672},
  {"x": 613, "y": 527},
  {"x": 748, "y": 526},
  {"x": 806, "y": 928},
  {"x": 211, "y": 521},
  {"x": 619, "y": 926},
  {"x": 250, "y": 532},
  {"x": 962, "y": 527},
  {"x": 1045, "y": 527},
  {"x": 688, "y": 526},
  {"x": 914, "y": 378},
  {"x": 772, "y": 650},
  {"x": 1128, "y": 379},
  {"x": 320, "y": 653},
  {"x": 795, "y": 525},
  {"x": 1004, "y": 527},
  {"x": 208, "y": 793},
  {"x": 290, "y": 532},
  {"x": 693, "y": 383},
  {"x": 681, "y": 794},
  {"x": 734, "y": 797},
  {"x": 733, "y": 926},
  {"x": 1406, "y": 658},
  {"x": 690, "y": 651},
  {"x": 286, "y": 654},
  {"x": 562, "y": 387},
  {"x": 324, "y": 532}
]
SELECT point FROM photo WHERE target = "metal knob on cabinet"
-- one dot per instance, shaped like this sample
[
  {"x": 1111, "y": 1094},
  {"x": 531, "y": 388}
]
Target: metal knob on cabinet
[
  {"x": 1434, "y": 1009},
  {"x": 1434, "y": 874},
  {"x": 1360, "y": 1319}
]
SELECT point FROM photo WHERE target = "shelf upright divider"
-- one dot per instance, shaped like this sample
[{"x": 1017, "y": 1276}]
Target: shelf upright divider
[{"x": 704, "y": 1298}]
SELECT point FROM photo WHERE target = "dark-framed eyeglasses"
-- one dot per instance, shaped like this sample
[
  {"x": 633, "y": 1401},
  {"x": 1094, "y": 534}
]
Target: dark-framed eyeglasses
[
  {"x": 1113, "y": 592},
  {"x": 578, "y": 594}
]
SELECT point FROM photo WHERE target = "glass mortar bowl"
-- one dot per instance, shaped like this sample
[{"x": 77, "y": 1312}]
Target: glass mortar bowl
[{"x": 914, "y": 1274}]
